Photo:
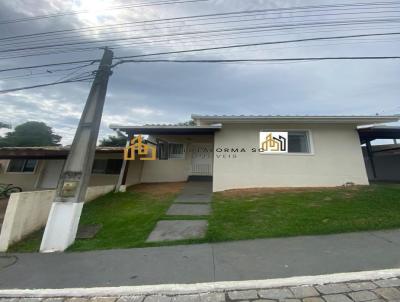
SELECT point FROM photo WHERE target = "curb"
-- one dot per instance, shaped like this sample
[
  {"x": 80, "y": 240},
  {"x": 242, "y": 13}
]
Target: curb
[{"x": 197, "y": 288}]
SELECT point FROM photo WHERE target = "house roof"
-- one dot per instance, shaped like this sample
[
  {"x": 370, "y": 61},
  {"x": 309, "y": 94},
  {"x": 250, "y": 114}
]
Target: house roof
[
  {"x": 50, "y": 152},
  {"x": 166, "y": 129},
  {"x": 329, "y": 119}
]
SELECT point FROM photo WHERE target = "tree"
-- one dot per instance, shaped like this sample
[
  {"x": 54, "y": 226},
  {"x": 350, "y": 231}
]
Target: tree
[
  {"x": 187, "y": 123},
  {"x": 3, "y": 125},
  {"x": 118, "y": 140},
  {"x": 30, "y": 134}
]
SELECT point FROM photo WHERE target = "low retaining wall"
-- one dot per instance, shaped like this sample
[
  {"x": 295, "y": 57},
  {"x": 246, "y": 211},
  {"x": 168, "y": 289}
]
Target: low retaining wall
[{"x": 27, "y": 212}]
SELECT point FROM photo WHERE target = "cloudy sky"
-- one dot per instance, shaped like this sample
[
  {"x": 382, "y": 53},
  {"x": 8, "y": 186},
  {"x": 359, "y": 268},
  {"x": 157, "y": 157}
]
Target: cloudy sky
[{"x": 142, "y": 93}]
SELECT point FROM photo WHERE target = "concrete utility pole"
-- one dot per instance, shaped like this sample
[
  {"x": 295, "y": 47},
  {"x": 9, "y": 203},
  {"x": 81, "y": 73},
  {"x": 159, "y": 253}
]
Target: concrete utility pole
[{"x": 66, "y": 209}]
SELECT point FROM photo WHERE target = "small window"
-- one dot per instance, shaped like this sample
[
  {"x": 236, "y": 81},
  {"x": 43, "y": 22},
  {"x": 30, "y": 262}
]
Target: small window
[
  {"x": 107, "y": 166},
  {"x": 162, "y": 150},
  {"x": 22, "y": 165},
  {"x": 176, "y": 151},
  {"x": 298, "y": 142}
]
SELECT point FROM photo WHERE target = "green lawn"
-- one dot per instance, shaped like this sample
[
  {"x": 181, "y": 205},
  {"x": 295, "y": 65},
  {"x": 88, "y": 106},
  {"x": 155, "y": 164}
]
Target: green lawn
[
  {"x": 128, "y": 218},
  {"x": 322, "y": 211}
]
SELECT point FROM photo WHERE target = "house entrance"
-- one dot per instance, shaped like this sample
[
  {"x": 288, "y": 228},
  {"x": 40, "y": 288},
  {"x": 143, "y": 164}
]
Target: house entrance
[{"x": 202, "y": 159}]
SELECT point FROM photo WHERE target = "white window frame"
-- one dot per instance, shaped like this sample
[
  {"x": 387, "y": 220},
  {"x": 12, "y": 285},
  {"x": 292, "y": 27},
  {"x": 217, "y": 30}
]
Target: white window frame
[
  {"x": 22, "y": 172},
  {"x": 310, "y": 141},
  {"x": 182, "y": 156}
]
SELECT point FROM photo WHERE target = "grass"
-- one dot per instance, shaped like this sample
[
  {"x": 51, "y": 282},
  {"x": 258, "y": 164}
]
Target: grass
[
  {"x": 323, "y": 211},
  {"x": 128, "y": 218}
]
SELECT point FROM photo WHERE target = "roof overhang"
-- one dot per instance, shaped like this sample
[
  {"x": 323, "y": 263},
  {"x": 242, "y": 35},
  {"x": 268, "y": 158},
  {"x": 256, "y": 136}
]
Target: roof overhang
[
  {"x": 47, "y": 152},
  {"x": 166, "y": 129},
  {"x": 307, "y": 119},
  {"x": 375, "y": 132}
]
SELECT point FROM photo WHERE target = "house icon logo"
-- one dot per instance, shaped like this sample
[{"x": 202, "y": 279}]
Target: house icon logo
[
  {"x": 143, "y": 150},
  {"x": 273, "y": 142}
]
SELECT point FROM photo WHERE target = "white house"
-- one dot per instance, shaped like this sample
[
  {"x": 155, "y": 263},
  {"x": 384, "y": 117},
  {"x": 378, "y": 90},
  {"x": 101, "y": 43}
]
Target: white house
[{"x": 320, "y": 151}]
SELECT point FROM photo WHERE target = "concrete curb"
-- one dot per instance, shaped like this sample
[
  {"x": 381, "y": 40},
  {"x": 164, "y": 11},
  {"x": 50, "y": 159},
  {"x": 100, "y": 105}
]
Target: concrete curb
[{"x": 179, "y": 289}]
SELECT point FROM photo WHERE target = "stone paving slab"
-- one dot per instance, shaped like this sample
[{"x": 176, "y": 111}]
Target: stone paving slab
[
  {"x": 189, "y": 209},
  {"x": 305, "y": 293},
  {"x": 193, "y": 198},
  {"x": 195, "y": 192},
  {"x": 170, "y": 230}
]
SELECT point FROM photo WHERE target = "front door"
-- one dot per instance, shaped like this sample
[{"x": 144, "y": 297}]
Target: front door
[{"x": 202, "y": 159}]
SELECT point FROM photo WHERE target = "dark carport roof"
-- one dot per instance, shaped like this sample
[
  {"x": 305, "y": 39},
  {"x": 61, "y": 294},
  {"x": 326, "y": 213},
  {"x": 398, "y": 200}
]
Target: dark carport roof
[{"x": 378, "y": 132}]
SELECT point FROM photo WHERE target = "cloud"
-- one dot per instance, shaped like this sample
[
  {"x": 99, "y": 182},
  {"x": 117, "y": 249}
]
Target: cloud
[{"x": 152, "y": 93}]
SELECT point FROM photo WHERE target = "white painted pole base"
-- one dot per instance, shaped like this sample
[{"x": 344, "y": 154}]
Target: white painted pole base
[{"x": 61, "y": 226}]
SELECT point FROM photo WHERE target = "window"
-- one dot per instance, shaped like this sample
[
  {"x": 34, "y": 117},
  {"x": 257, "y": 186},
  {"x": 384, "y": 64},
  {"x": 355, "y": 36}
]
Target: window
[
  {"x": 22, "y": 165},
  {"x": 107, "y": 166},
  {"x": 166, "y": 150},
  {"x": 176, "y": 150},
  {"x": 298, "y": 142}
]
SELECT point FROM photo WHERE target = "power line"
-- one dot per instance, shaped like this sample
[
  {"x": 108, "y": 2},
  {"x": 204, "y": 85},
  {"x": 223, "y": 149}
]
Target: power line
[
  {"x": 207, "y": 49},
  {"x": 259, "y": 60},
  {"x": 48, "y": 65},
  {"x": 205, "y": 38},
  {"x": 34, "y": 18},
  {"x": 313, "y": 24},
  {"x": 258, "y": 44},
  {"x": 346, "y": 6},
  {"x": 44, "y": 85},
  {"x": 241, "y": 15}
]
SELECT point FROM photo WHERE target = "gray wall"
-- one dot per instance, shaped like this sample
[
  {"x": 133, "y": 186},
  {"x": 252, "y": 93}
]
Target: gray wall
[{"x": 387, "y": 166}]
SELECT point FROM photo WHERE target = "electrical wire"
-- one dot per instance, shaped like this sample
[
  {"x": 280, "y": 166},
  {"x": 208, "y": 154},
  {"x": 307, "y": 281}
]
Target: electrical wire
[{"x": 34, "y": 18}]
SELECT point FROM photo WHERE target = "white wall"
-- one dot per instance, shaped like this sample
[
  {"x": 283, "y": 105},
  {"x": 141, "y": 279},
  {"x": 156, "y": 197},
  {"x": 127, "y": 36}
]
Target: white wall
[
  {"x": 173, "y": 170},
  {"x": 337, "y": 159},
  {"x": 27, "y": 212}
]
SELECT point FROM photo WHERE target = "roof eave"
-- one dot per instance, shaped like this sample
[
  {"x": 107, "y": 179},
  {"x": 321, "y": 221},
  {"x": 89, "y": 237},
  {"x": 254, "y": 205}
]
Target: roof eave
[{"x": 356, "y": 120}]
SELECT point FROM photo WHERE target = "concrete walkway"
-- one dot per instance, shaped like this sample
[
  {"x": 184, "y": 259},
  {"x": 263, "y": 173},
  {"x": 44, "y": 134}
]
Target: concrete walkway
[
  {"x": 239, "y": 260},
  {"x": 193, "y": 201}
]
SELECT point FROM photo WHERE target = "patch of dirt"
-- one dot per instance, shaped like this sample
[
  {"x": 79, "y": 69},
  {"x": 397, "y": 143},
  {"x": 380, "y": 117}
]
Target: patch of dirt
[
  {"x": 158, "y": 189},
  {"x": 263, "y": 191}
]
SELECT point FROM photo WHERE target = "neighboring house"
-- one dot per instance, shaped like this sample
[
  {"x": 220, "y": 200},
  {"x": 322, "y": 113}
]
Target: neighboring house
[
  {"x": 38, "y": 168},
  {"x": 323, "y": 151},
  {"x": 382, "y": 161},
  {"x": 386, "y": 162}
]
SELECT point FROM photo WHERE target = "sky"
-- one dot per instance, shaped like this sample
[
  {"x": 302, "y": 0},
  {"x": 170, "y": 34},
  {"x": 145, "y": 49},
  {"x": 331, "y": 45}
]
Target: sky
[{"x": 159, "y": 93}]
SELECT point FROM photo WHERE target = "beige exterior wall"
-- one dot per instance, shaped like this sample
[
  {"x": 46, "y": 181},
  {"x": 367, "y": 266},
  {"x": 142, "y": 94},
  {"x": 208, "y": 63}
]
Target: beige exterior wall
[
  {"x": 173, "y": 169},
  {"x": 31, "y": 181},
  {"x": 27, "y": 181},
  {"x": 336, "y": 158}
]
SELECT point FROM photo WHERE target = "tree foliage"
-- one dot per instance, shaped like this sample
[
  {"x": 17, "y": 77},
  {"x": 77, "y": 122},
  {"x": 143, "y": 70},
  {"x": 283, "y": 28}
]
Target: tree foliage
[
  {"x": 187, "y": 123},
  {"x": 118, "y": 140},
  {"x": 4, "y": 125},
  {"x": 30, "y": 134}
]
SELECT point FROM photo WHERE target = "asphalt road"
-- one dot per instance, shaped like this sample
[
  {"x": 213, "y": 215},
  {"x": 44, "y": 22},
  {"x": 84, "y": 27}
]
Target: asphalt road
[{"x": 239, "y": 260}]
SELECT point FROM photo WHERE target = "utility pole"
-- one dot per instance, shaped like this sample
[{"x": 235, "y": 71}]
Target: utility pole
[{"x": 63, "y": 221}]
